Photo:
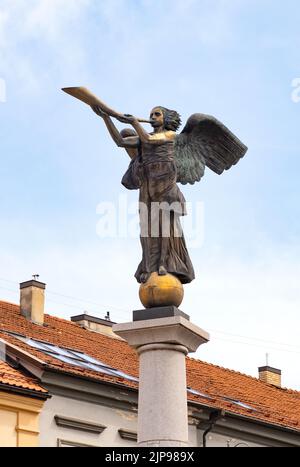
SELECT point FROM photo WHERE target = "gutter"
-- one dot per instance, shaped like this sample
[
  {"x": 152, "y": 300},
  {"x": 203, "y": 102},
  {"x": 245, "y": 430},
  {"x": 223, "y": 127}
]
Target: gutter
[
  {"x": 245, "y": 418},
  {"x": 25, "y": 392}
]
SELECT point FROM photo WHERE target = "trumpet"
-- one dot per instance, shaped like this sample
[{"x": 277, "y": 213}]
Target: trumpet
[{"x": 86, "y": 96}]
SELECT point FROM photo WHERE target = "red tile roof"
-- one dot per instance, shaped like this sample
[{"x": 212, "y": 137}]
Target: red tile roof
[
  {"x": 267, "y": 403},
  {"x": 13, "y": 378}
]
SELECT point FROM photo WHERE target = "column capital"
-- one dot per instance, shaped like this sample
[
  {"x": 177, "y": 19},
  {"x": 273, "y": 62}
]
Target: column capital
[{"x": 170, "y": 330}]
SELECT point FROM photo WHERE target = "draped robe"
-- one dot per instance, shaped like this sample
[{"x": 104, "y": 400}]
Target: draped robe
[{"x": 153, "y": 171}]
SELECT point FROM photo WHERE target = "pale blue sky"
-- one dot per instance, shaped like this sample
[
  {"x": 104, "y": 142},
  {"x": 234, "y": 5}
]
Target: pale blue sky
[{"x": 234, "y": 59}]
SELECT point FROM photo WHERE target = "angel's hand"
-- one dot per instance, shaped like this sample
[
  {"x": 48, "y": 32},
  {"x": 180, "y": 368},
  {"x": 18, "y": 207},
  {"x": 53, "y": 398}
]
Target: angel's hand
[
  {"x": 97, "y": 109},
  {"x": 126, "y": 118}
]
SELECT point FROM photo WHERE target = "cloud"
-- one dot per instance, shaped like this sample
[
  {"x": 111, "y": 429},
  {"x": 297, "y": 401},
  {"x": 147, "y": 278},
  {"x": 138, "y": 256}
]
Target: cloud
[
  {"x": 48, "y": 19},
  {"x": 37, "y": 36},
  {"x": 82, "y": 40},
  {"x": 42, "y": 19}
]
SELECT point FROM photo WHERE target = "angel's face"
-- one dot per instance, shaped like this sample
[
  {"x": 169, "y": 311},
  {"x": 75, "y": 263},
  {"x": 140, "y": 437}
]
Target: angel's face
[{"x": 157, "y": 117}]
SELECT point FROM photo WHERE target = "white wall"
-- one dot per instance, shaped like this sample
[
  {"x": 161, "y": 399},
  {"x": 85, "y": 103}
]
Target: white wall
[{"x": 114, "y": 419}]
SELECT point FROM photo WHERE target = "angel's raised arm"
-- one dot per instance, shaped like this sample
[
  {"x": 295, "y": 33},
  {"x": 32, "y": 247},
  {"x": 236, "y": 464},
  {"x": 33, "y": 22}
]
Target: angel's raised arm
[
  {"x": 127, "y": 142},
  {"x": 156, "y": 138}
]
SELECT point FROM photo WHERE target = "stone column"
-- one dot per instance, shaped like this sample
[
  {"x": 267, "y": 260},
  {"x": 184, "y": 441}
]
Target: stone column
[{"x": 162, "y": 343}]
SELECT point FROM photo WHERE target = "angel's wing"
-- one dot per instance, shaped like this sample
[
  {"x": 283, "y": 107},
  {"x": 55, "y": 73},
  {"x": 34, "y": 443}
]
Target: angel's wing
[{"x": 205, "y": 141}]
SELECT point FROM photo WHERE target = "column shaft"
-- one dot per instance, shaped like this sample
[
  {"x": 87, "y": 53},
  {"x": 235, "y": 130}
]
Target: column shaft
[{"x": 162, "y": 418}]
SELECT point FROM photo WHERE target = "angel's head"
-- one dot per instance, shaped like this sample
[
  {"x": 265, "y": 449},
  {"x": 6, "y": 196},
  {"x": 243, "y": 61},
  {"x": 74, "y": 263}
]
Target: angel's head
[{"x": 166, "y": 118}]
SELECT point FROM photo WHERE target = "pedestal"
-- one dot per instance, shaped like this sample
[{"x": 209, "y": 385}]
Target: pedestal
[{"x": 162, "y": 345}]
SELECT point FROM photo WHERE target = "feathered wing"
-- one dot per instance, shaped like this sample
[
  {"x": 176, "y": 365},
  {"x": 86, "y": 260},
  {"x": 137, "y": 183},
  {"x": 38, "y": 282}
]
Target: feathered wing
[{"x": 205, "y": 141}]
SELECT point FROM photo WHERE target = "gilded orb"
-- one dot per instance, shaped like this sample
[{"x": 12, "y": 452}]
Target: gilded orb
[{"x": 164, "y": 290}]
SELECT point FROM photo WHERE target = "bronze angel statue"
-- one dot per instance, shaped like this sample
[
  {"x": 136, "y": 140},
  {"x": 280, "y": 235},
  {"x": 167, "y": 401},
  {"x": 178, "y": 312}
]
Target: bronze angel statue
[{"x": 159, "y": 161}]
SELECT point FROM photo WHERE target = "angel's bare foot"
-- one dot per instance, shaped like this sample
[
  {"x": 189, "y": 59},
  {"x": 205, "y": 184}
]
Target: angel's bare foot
[
  {"x": 144, "y": 277},
  {"x": 162, "y": 271}
]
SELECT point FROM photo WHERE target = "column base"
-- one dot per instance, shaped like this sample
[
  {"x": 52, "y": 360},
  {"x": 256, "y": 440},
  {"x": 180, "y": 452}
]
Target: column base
[{"x": 163, "y": 444}]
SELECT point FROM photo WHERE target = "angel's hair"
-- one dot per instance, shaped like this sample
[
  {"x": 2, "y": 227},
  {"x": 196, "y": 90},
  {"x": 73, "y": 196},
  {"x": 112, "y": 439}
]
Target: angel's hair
[{"x": 172, "y": 120}]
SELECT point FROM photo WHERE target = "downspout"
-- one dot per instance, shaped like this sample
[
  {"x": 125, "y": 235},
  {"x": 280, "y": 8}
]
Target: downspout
[{"x": 213, "y": 418}]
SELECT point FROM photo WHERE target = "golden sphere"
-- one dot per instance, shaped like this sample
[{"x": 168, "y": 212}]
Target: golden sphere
[{"x": 161, "y": 291}]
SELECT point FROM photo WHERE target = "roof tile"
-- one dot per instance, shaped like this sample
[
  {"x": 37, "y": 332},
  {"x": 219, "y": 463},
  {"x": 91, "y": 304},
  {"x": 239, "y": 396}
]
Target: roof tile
[{"x": 9, "y": 376}]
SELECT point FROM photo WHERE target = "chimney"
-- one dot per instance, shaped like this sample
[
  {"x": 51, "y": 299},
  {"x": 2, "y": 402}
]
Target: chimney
[
  {"x": 32, "y": 301},
  {"x": 92, "y": 323},
  {"x": 270, "y": 375}
]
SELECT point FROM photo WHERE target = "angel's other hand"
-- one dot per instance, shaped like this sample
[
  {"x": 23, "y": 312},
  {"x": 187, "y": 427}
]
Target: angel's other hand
[
  {"x": 97, "y": 109},
  {"x": 126, "y": 118}
]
